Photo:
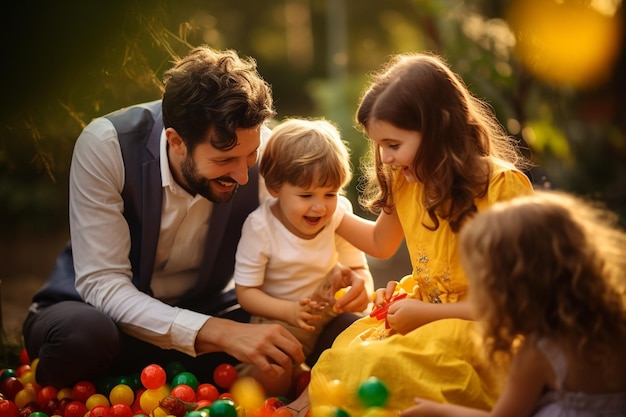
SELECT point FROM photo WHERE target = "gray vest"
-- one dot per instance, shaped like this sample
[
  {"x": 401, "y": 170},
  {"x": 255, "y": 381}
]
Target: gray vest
[{"x": 139, "y": 131}]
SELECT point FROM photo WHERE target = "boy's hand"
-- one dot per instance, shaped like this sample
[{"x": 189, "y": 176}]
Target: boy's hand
[{"x": 305, "y": 312}]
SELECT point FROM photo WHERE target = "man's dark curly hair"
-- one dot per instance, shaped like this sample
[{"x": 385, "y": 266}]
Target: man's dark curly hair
[{"x": 217, "y": 92}]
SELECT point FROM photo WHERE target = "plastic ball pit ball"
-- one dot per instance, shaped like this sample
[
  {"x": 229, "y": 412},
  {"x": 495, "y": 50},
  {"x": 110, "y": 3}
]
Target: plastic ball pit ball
[
  {"x": 153, "y": 376},
  {"x": 373, "y": 392}
]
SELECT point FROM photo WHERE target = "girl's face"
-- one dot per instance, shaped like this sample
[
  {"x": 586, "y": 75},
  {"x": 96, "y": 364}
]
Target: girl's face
[
  {"x": 398, "y": 147},
  {"x": 304, "y": 211}
]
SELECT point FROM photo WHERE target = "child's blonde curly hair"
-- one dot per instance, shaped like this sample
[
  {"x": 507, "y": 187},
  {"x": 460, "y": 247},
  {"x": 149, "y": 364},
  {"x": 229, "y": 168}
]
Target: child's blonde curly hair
[{"x": 547, "y": 265}]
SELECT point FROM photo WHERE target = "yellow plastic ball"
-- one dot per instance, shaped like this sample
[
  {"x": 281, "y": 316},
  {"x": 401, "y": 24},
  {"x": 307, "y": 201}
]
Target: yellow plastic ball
[
  {"x": 28, "y": 378},
  {"x": 64, "y": 393},
  {"x": 341, "y": 291},
  {"x": 378, "y": 412},
  {"x": 336, "y": 393},
  {"x": 96, "y": 399},
  {"x": 248, "y": 394},
  {"x": 24, "y": 396},
  {"x": 122, "y": 394},
  {"x": 150, "y": 399}
]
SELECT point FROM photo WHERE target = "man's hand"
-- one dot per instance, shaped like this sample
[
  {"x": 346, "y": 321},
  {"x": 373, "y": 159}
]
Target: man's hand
[{"x": 270, "y": 347}]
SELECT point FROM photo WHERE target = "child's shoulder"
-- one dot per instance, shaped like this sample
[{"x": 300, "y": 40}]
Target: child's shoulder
[
  {"x": 585, "y": 372},
  {"x": 507, "y": 182},
  {"x": 262, "y": 214}
]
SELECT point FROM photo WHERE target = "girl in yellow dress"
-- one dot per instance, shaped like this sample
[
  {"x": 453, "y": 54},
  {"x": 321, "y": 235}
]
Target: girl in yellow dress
[{"x": 440, "y": 156}]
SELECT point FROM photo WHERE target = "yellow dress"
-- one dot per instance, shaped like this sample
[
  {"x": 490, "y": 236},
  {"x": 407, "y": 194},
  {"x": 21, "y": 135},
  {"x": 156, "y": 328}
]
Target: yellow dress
[{"x": 441, "y": 360}]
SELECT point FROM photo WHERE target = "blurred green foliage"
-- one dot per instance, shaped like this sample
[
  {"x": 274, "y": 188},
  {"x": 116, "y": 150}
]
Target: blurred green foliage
[{"x": 67, "y": 62}]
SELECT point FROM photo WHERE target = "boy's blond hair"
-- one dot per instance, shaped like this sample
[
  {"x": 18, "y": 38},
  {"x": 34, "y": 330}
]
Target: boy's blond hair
[{"x": 305, "y": 153}]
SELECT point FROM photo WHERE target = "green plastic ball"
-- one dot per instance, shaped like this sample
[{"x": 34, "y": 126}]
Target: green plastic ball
[
  {"x": 373, "y": 392},
  {"x": 223, "y": 408},
  {"x": 186, "y": 378}
]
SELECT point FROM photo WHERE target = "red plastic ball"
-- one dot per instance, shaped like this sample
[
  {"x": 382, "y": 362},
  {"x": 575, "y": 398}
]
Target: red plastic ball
[
  {"x": 52, "y": 407},
  {"x": 207, "y": 391},
  {"x": 184, "y": 392},
  {"x": 273, "y": 403},
  {"x": 200, "y": 404},
  {"x": 75, "y": 409},
  {"x": 137, "y": 403},
  {"x": 10, "y": 387},
  {"x": 153, "y": 376},
  {"x": 282, "y": 412},
  {"x": 120, "y": 410},
  {"x": 28, "y": 409},
  {"x": 24, "y": 359},
  {"x": 83, "y": 390},
  {"x": 99, "y": 411},
  {"x": 8, "y": 409},
  {"x": 302, "y": 382},
  {"x": 225, "y": 375},
  {"x": 22, "y": 369},
  {"x": 46, "y": 394}
]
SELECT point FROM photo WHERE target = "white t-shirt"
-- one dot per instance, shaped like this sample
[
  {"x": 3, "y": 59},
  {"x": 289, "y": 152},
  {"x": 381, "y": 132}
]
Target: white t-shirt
[{"x": 286, "y": 266}]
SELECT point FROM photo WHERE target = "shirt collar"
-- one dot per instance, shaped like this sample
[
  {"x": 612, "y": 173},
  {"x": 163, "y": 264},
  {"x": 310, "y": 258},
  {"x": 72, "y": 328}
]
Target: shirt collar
[{"x": 167, "y": 180}]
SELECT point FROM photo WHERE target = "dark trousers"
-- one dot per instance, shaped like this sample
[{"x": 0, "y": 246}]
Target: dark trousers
[{"x": 74, "y": 341}]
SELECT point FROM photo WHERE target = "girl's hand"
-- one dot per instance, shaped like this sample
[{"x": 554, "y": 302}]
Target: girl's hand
[
  {"x": 305, "y": 312},
  {"x": 424, "y": 408},
  {"x": 383, "y": 295},
  {"x": 406, "y": 315}
]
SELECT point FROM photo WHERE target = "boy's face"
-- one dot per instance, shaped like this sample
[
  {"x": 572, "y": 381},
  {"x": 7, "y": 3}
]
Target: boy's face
[{"x": 304, "y": 211}]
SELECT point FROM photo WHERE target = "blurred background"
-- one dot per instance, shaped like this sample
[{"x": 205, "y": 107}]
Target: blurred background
[{"x": 554, "y": 71}]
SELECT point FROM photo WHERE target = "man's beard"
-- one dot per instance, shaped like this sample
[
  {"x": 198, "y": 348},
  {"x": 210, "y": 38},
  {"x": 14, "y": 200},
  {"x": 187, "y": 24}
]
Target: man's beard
[{"x": 200, "y": 185}]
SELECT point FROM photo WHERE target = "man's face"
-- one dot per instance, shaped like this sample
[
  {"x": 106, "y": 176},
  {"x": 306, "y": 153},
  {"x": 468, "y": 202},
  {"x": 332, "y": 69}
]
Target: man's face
[{"x": 216, "y": 174}]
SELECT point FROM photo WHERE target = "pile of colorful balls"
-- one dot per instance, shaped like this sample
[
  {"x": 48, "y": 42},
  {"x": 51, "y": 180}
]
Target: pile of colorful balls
[
  {"x": 166, "y": 391},
  {"x": 156, "y": 392}
]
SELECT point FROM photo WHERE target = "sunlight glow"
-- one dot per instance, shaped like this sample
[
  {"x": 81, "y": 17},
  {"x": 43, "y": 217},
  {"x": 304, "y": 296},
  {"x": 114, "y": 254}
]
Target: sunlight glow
[{"x": 565, "y": 42}]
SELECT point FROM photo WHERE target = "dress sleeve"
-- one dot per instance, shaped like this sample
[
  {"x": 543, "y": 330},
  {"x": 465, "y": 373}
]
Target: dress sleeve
[{"x": 508, "y": 184}]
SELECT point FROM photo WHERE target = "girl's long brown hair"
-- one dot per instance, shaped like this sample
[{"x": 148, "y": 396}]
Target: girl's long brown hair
[{"x": 459, "y": 132}]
